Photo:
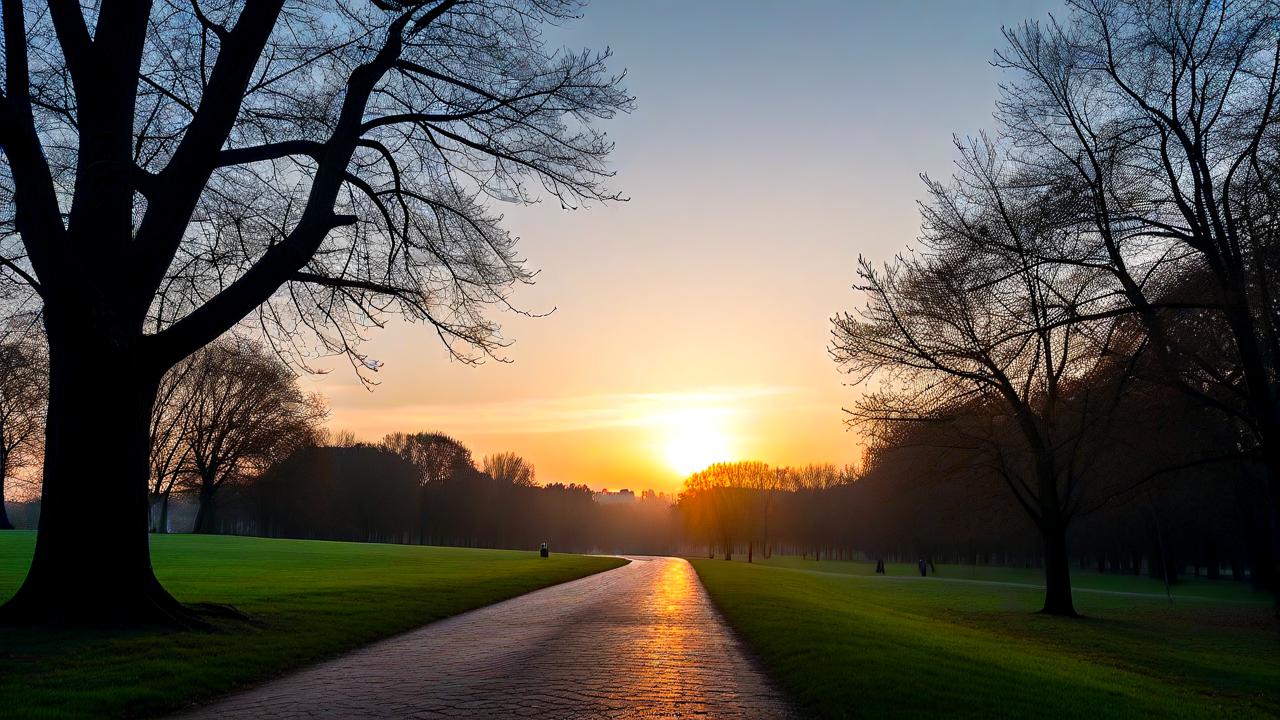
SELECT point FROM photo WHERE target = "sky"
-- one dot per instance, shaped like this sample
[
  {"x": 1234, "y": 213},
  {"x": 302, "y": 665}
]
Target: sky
[{"x": 772, "y": 143}]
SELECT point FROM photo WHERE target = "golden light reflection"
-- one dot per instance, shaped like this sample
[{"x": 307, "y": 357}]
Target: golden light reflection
[
  {"x": 673, "y": 639},
  {"x": 674, "y": 589}
]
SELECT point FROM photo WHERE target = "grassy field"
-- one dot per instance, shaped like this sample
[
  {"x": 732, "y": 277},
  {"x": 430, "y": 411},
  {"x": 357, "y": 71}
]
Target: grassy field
[
  {"x": 1186, "y": 587},
  {"x": 308, "y": 600},
  {"x": 846, "y": 643}
]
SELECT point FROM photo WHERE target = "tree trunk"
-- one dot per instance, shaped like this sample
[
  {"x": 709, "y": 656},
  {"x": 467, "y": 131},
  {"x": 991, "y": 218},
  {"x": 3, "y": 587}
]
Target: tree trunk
[
  {"x": 1057, "y": 572},
  {"x": 206, "y": 513},
  {"x": 163, "y": 525},
  {"x": 1272, "y": 452},
  {"x": 1265, "y": 409},
  {"x": 4, "y": 474},
  {"x": 92, "y": 562}
]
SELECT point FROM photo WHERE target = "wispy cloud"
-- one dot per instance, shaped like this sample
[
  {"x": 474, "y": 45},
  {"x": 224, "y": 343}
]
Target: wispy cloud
[{"x": 566, "y": 414}]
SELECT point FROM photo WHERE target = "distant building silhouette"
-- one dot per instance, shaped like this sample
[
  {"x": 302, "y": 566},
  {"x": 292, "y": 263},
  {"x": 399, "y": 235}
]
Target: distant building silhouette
[{"x": 604, "y": 497}]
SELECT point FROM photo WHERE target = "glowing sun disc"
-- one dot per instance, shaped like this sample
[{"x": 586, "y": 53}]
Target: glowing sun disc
[{"x": 695, "y": 439}]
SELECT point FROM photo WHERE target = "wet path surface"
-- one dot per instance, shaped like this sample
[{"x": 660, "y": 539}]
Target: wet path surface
[{"x": 641, "y": 641}]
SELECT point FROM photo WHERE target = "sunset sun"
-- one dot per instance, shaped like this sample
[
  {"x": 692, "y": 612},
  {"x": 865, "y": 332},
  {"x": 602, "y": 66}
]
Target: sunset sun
[{"x": 695, "y": 439}]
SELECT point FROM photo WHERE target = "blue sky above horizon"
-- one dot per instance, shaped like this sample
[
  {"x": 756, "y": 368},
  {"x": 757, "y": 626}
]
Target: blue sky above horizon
[{"x": 771, "y": 145}]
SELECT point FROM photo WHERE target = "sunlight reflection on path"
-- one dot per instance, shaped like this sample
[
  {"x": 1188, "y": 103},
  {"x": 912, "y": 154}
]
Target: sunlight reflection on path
[{"x": 642, "y": 641}]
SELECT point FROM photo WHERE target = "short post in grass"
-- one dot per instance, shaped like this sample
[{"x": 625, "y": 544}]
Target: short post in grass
[{"x": 544, "y": 551}]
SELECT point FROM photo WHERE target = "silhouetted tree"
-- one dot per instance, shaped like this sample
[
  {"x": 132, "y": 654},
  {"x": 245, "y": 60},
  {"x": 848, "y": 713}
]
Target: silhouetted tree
[
  {"x": 171, "y": 421},
  {"x": 450, "y": 485},
  {"x": 23, "y": 391},
  {"x": 809, "y": 483},
  {"x": 173, "y": 168},
  {"x": 342, "y": 438},
  {"x": 1158, "y": 121},
  {"x": 976, "y": 330},
  {"x": 732, "y": 500},
  {"x": 439, "y": 458},
  {"x": 354, "y": 492},
  {"x": 509, "y": 468},
  {"x": 245, "y": 411}
]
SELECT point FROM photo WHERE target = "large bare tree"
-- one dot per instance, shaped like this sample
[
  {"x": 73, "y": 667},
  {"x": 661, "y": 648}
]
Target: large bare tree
[
  {"x": 510, "y": 469},
  {"x": 174, "y": 168},
  {"x": 1159, "y": 118},
  {"x": 975, "y": 330},
  {"x": 243, "y": 411}
]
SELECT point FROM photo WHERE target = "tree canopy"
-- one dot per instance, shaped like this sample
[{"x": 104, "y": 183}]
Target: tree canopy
[{"x": 308, "y": 169}]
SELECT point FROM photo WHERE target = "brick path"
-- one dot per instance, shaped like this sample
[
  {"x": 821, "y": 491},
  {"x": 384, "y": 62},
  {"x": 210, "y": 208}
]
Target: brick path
[{"x": 641, "y": 641}]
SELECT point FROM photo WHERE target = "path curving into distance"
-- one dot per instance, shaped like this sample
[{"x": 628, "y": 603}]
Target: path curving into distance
[{"x": 639, "y": 641}]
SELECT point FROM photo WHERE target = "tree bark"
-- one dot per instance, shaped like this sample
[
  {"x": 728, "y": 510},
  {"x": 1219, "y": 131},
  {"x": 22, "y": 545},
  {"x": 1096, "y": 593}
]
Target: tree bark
[
  {"x": 1057, "y": 572},
  {"x": 4, "y": 474},
  {"x": 1272, "y": 532},
  {"x": 92, "y": 562},
  {"x": 163, "y": 525},
  {"x": 1265, "y": 409},
  {"x": 206, "y": 513}
]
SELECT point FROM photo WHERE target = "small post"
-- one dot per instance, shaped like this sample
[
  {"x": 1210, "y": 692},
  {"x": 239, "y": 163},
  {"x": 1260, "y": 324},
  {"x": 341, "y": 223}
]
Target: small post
[{"x": 544, "y": 551}]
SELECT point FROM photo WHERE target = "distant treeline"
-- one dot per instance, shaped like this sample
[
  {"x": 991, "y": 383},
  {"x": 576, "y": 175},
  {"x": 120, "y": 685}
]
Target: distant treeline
[
  {"x": 1182, "y": 525},
  {"x": 1169, "y": 495},
  {"x": 924, "y": 496},
  {"x": 913, "y": 499},
  {"x": 425, "y": 488}
]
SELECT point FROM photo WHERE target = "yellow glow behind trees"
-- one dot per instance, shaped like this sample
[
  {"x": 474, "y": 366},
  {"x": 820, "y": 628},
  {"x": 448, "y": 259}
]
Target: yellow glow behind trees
[{"x": 696, "y": 438}]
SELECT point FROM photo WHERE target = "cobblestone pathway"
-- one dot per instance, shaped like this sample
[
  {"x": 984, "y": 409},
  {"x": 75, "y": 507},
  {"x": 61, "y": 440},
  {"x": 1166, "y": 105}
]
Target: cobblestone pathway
[{"x": 641, "y": 641}]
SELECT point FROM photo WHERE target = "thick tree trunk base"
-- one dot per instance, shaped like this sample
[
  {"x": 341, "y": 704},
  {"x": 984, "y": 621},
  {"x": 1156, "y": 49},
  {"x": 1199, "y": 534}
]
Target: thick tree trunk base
[
  {"x": 1058, "y": 601},
  {"x": 1057, "y": 610},
  {"x": 92, "y": 560},
  {"x": 124, "y": 605}
]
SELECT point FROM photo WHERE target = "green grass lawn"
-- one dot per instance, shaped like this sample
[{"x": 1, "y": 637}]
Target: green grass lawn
[
  {"x": 309, "y": 600},
  {"x": 1188, "y": 587},
  {"x": 846, "y": 643}
]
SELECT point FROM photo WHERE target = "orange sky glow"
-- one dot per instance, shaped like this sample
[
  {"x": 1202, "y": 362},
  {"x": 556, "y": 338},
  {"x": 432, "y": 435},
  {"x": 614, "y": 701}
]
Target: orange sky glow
[{"x": 690, "y": 324}]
